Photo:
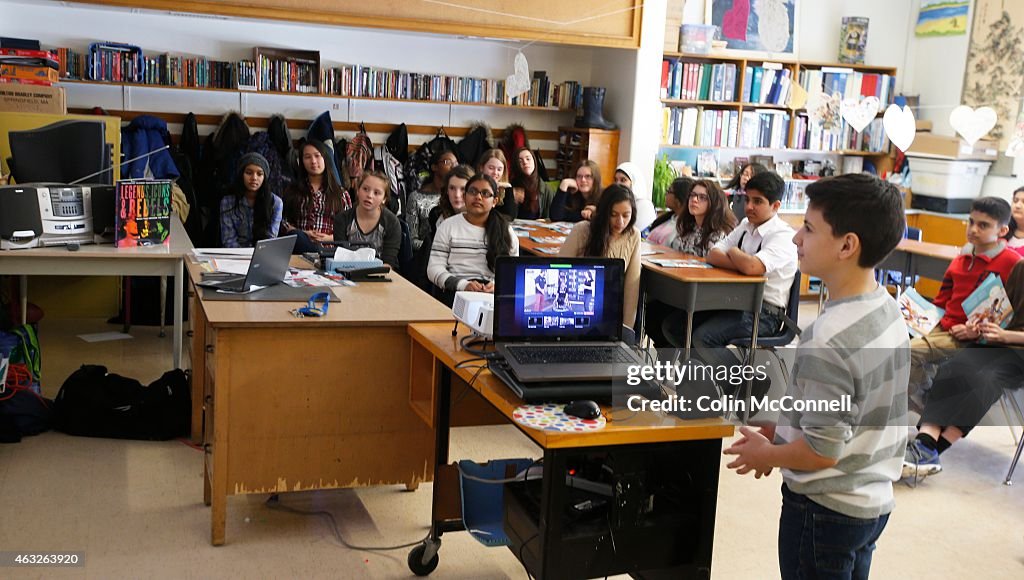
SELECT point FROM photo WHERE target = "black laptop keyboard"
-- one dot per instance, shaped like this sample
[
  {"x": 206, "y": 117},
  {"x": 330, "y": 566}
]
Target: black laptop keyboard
[{"x": 569, "y": 354}]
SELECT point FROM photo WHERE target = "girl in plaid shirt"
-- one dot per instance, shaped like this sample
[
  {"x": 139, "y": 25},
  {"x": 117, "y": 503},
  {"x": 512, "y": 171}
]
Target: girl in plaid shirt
[{"x": 311, "y": 203}]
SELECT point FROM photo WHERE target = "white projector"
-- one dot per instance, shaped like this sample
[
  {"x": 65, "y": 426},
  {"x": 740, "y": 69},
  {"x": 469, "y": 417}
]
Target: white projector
[{"x": 475, "y": 310}]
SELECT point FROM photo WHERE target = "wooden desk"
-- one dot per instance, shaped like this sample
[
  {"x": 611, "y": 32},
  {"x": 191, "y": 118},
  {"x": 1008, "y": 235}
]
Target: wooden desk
[
  {"x": 925, "y": 259},
  {"x": 314, "y": 403},
  {"x": 435, "y": 353},
  {"x": 107, "y": 260}
]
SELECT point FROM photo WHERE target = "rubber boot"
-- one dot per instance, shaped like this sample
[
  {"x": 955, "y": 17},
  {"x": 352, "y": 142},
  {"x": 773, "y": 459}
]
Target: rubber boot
[{"x": 593, "y": 104}]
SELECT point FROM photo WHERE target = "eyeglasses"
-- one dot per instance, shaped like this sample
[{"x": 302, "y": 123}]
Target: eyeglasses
[
  {"x": 699, "y": 196},
  {"x": 484, "y": 193},
  {"x": 587, "y": 176},
  {"x": 447, "y": 162}
]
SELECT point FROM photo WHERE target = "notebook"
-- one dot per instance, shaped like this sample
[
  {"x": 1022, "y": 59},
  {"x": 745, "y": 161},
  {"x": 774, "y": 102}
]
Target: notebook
[
  {"x": 560, "y": 319},
  {"x": 267, "y": 267}
]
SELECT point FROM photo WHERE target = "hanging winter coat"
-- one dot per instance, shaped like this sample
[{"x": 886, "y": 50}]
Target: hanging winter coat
[
  {"x": 473, "y": 146},
  {"x": 143, "y": 135},
  {"x": 398, "y": 143},
  {"x": 418, "y": 167}
]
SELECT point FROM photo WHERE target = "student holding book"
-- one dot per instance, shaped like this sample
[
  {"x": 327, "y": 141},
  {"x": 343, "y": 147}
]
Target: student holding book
[
  {"x": 838, "y": 466},
  {"x": 968, "y": 384},
  {"x": 577, "y": 196},
  {"x": 312, "y": 201},
  {"x": 252, "y": 212},
  {"x": 985, "y": 253},
  {"x": 420, "y": 202},
  {"x": 369, "y": 222},
  {"x": 612, "y": 234},
  {"x": 531, "y": 193},
  {"x": 467, "y": 244}
]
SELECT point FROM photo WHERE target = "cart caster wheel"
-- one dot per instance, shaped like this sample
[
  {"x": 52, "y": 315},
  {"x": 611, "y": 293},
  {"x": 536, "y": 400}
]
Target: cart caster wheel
[{"x": 416, "y": 561}]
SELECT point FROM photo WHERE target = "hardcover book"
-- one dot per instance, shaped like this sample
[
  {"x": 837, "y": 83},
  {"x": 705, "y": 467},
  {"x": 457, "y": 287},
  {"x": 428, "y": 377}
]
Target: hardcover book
[
  {"x": 142, "y": 213},
  {"x": 920, "y": 315}
]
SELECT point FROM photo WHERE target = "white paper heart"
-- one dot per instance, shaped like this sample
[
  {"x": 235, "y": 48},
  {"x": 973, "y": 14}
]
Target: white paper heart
[
  {"x": 973, "y": 124},
  {"x": 1015, "y": 147},
  {"x": 518, "y": 82},
  {"x": 859, "y": 113},
  {"x": 900, "y": 126}
]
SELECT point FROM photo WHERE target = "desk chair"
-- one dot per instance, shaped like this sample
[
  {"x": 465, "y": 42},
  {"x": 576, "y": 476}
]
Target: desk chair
[
  {"x": 790, "y": 329},
  {"x": 886, "y": 277}
]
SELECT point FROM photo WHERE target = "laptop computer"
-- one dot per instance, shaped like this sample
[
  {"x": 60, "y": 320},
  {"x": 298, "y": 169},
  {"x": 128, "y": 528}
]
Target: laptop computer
[
  {"x": 267, "y": 267},
  {"x": 560, "y": 319}
]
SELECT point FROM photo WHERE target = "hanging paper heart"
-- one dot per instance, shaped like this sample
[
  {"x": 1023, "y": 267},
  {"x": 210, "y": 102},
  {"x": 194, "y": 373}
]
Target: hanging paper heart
[
  {"x": 900, "y": 126},
  {"x": 1016, "y": 145},
  {"x": 860, "y": 113},
  {"x": 518, "y": 82},
  {"x": 973, "y": 124},
  {"x": 797, "y": 97}
]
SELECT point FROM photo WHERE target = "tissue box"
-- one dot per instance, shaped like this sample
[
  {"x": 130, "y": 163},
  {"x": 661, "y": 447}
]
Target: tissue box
[{"x": 333, "y": 265}]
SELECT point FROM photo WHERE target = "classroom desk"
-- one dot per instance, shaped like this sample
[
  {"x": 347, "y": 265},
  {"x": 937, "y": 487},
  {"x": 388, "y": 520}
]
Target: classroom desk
[
  {"x": 694, "y": 444},
  {"x": 925, "y": 259},
  {"x": 107, "y": 260},
  {"x": 295, "y": 404}
]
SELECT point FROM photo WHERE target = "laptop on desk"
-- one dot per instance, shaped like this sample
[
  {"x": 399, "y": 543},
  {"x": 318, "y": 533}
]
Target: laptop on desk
[
  {"x": 560, "y": 319},
  {"x": 267, "y": 267}
]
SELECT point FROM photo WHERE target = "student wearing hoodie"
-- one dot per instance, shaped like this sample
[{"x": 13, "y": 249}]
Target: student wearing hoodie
[{"x": 628, "y": 174}]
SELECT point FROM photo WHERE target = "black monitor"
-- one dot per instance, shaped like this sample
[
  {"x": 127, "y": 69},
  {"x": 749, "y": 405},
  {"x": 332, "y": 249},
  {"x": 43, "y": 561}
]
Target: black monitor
[{"x": 61, "y": 152}]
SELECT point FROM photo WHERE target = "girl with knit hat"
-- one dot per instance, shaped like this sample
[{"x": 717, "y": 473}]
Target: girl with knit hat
[
  {"x": 251, "y": 212},
  {"x": 628, "y": 174}
]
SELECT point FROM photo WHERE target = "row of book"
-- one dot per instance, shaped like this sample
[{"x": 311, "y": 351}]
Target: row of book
[
  {"x": 114, "y": 62},
  {"x": 700, "y": 127},
  {"x": 694, "y": 81},
  {"x": 812, "y": 136},
  {"x": 287, "y": 75},
  {"x": 360, "y": 81},
  {"x": 851, "y": 84},
  {"x": 71, "y": 64},
  {"x": 765, "y": 85},
  {"x": 764, "y": 129},
  {"x": 178, "y": 71}
]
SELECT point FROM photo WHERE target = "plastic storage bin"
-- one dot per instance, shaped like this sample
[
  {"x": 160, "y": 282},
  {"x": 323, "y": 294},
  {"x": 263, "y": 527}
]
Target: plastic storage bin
[
  {"x": 696, "y": 38},
  {"x": 947, "y": 178}
]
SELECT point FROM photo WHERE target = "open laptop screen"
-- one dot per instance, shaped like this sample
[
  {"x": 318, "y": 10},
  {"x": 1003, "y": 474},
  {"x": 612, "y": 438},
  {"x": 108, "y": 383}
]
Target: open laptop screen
[{"x": 558, "y": 299}]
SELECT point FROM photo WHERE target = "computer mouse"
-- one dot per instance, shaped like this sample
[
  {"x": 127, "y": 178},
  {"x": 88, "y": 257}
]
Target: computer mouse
[
  {"x": 583, "y": 409},
  {"x": 72, "y": 247}
]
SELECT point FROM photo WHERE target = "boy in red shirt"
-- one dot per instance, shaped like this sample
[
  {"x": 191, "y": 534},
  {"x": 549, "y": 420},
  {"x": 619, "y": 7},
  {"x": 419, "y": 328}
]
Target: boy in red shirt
[{"x": 984, "y": 254}]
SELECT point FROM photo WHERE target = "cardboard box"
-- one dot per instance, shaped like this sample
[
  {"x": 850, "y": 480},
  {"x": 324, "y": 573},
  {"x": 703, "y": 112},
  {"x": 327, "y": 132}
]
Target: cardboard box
[
  {"x": 37, "y": 73},
  {"x": 21, "y": 98},
  {"x": 941, "y": 146}
]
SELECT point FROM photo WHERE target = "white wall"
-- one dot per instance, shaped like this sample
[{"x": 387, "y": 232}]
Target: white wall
[{"x": 937, "y": 66}]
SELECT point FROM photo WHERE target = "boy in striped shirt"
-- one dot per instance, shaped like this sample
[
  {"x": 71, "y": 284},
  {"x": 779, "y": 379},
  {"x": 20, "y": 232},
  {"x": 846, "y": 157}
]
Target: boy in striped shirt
[{"x": 838, "y": 467}]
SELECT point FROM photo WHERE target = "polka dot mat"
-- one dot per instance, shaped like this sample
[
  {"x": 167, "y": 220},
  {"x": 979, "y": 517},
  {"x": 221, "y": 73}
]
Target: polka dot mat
[{"x": 551, "y": 417}]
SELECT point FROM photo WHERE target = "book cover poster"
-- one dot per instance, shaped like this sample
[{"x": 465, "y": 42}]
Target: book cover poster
[
  {"x": 989, "y": 303},
  {"x": 142, "y": 213},
  {"x": 920, "y": 315},
  {"x": 853, "y": 40}
]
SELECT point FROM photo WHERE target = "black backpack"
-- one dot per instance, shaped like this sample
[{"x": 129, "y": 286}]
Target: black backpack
[{"x": 95, "y": 403}]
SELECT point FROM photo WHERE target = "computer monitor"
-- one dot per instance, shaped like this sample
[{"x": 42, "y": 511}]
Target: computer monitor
[{"x": 61, "y": 152}]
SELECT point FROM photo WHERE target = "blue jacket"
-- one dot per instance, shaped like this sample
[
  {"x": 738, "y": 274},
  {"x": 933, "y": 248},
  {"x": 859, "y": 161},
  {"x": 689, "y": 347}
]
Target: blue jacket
[{"x": 144, "y": 134}]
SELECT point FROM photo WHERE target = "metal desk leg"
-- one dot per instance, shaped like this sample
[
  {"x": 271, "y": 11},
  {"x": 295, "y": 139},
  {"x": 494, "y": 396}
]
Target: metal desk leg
[
  {"x": 163, "y": 306},
  {"x": 758, "y": 301},
  {"x": 23, "y": 294},
  {"x": 179, "y": 309},
  {"x": 691, "y": 304}
]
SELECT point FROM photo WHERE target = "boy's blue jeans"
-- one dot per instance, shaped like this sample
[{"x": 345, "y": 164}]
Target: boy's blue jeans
[{"x": 816, "y": 542}]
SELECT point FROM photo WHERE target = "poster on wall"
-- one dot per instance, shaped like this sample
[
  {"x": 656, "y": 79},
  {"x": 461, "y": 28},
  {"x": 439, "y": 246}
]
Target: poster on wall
[
  {"x": 756, "y": 27},
  {"x": 942, "y": 18},
  {"x": 995, "y": 63},
  {"x": 853, "y": 40}
]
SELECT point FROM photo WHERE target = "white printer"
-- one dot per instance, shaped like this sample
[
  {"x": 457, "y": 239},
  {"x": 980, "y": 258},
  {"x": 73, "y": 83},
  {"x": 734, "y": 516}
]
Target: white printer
[{"x": 48, "y": 214}]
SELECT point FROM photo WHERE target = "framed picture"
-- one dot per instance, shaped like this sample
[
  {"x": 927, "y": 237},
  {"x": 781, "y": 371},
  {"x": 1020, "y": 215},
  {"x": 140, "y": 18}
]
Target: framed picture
[{"x": 756, "y": 28}]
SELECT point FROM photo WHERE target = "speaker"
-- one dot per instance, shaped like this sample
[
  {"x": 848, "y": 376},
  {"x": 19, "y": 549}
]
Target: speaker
[
  {"x": 102, "y": 210},
  {"x": 19, "y": 210}
]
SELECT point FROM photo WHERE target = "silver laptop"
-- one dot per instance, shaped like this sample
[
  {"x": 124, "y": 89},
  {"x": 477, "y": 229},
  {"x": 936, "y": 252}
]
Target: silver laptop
[
  {"x": 267, "y": 267},
  {"x": 560, "y": 319}
]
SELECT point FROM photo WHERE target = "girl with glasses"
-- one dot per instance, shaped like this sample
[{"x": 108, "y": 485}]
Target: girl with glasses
[
  {"x": 577, "y": 195},
  {"x": 707, "y": 219},
  {"x": 467, "y": 244}
]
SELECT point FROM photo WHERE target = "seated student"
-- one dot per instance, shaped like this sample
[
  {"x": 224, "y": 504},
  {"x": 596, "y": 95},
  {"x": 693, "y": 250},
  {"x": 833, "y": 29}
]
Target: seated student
[
  {"x": 663, "y": 229},
  {"x": 252, "y": 213},
  {"x": 532, "y": 195},
  {"x": 762, "y": 245},
  {"x": 467, "y": 244},
  {"x": 454, "y": 200},
  {"x": 419, "y": 204},
  {"x": 369, "y": 222},
  {"x": 611, "y": 234},
  {"x": 968, "y": 384},
  {"x": 358, "y": 158},
  {"x": 493, "y": 163},
  {"x": 312, "y": 200},
  {"x": 985, "y": 253},
  {"x": 838, "y": 466},
  {"x": 628, "y": 174},
  {"x": 1015, "y": 240},
  {"x": 737, "y": 187},
  {"x": 577, "y": 196},
  {"x": 705, "y": 221}
]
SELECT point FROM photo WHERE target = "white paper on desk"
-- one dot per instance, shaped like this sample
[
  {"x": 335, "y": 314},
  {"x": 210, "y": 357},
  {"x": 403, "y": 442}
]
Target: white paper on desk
[
  {"x": 213, "y": 252},
  {"x": 668, "y": 263},
  {"x": 360, "y": 255},
  {"x": 230, "y": 266}
]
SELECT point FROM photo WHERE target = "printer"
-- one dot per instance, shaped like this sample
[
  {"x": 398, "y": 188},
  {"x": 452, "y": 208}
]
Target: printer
[{"x": 36, "y": 215}]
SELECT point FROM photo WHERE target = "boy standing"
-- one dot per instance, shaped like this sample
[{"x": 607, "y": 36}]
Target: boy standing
[
  {"x": 762, "y": 245},
  {"x": 838, "y": 467}
]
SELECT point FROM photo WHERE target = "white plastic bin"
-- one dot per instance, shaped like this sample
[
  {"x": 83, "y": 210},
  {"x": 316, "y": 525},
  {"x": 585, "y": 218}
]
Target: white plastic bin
[
  {"x": 949, "y": 179},
  {"x": 696, "y": 38}
]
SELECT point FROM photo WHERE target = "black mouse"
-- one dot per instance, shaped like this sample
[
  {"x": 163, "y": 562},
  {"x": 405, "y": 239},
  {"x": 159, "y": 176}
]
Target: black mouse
[
  {"x": 72, "y": 247},
  {"x": 583, "y": 409}
]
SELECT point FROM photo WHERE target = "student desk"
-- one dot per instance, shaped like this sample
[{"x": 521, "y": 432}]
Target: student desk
[
  {"x": 925, "y": 259},
  {"x": 694, "y": 445},
  {"x": 107, "y": 260},
  {"x": 295, "y": 404}
]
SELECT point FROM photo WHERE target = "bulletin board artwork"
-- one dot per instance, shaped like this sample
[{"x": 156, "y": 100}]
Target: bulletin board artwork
[
  {"x": 994, "y": 75},
  {"x": 942, "y": 18},
  {"x": 756, "y": 27}
]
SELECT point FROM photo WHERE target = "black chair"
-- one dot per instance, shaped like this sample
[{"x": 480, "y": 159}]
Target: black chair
[{"x": 789, "y": 333}]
